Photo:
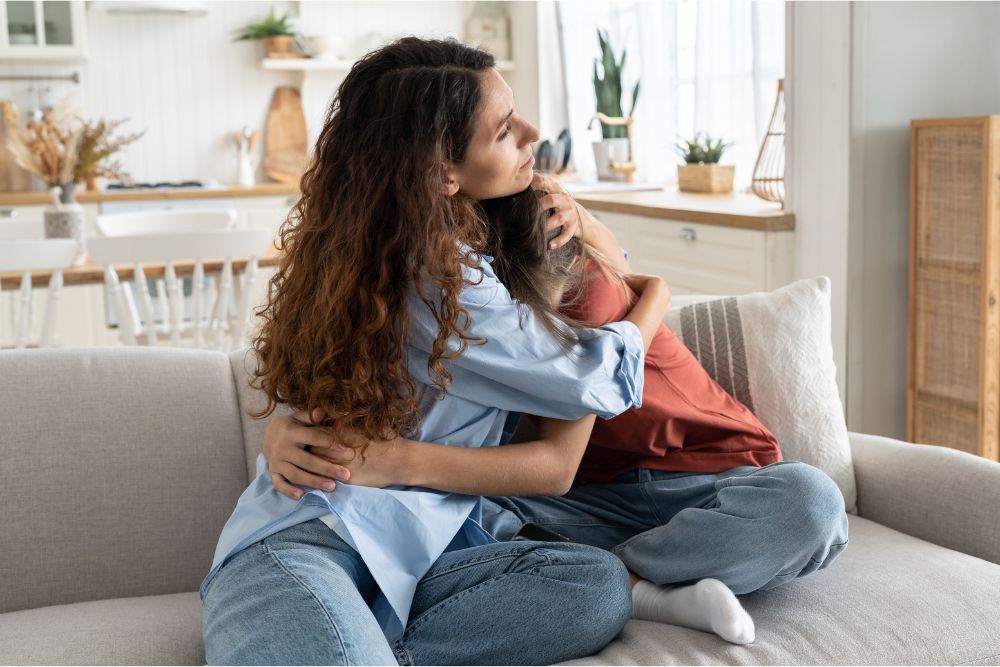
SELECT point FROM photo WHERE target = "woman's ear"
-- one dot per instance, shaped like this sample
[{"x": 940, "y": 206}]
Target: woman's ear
[{"x": 449, "y": 183}]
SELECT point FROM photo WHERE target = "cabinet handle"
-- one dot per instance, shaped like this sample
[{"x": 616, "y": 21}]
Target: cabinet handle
[
  {"x": 8, "y": 213},
  {"x": 689, "y": 234}
]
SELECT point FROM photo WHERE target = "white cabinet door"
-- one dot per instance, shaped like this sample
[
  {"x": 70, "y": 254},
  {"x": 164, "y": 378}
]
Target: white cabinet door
[
  {"x": 697, "y": 258},
  {"x": 43, "y": 30},
  {"x": 265, "y": 212}
]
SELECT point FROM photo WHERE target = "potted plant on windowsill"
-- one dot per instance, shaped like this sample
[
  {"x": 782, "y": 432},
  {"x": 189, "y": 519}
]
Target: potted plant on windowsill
[
  {"x": 701, "y": 171},
  {"x": 608, "y": 88},
  {"x": 277, "y": 34}
]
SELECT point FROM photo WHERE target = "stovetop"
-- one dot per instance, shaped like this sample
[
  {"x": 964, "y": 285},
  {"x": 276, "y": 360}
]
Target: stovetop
[{"x": 162, "y": 185}]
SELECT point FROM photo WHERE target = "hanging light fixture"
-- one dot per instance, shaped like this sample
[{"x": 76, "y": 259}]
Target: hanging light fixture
[{"x": 768, "y": 180}]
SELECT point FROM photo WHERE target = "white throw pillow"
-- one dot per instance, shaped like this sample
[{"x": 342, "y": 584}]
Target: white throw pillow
[{"x": 773, "y": 351}]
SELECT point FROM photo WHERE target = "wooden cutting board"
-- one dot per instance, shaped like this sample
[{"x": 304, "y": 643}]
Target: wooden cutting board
[
  {"x": 286, "y": 143},
  {"x": 12, "y": 177}
]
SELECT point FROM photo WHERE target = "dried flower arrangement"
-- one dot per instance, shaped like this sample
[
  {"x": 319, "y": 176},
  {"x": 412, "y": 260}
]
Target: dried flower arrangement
[
  {"x": 46, "y": 148},
  {"x": 97, "y": 144},
  {"x": 62, "y": 148}
]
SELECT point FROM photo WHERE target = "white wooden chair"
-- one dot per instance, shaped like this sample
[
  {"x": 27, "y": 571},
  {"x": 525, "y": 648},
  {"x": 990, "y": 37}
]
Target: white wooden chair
[
  {"x": 166, "y": 222},
  {"x": 211, "y": 324},
  {"x": 25, "y": 256}
]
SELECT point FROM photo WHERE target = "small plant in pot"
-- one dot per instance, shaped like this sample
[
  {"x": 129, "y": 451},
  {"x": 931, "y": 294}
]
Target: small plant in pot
[
  {"x": 277, "y": 33},
  {"x": 608, "y": 89},
  {"x": 701, "y": 171}
]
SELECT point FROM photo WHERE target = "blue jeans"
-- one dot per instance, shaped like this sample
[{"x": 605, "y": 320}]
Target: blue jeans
[
  {"x": 752, "y": 528},
  {"x": 302, "y": 596}
]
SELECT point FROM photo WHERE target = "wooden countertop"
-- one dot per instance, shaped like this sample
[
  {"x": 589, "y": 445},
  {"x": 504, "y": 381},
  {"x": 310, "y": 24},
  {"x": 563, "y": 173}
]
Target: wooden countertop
[
  {"x": 90, "y": 273},
  {"x": 730, "y": 210},
  {"x": 85, "y": 197}
]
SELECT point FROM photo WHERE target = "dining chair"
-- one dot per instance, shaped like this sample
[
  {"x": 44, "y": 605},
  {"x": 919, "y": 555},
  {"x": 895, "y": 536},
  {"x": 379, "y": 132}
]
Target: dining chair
[
  {"x": 211, "y": 322},
  {"x": 166, "y": 222},
  {"x": 25, "y": 256},
  {"x": 172, "y": 221}
]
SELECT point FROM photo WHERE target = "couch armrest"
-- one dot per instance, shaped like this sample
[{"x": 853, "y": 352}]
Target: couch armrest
[{"x": 938, "y": 494}]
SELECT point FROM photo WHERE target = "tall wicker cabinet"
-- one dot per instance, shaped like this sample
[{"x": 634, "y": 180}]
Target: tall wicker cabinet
[{"x": 953, "y": 386}]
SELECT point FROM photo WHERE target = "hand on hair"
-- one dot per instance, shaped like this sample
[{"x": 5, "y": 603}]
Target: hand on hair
[{"x": 565, "y": 210}]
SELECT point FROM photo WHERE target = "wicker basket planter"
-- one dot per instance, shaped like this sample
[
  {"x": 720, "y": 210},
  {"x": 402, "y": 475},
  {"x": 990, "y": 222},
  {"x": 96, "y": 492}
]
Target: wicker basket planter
[
  {"x": 279, "y": 46},
  {"x": 713, "y": 178}
]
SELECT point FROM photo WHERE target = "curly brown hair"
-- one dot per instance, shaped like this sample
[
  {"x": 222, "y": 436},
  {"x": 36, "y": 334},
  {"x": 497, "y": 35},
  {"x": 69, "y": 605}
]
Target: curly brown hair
[{"x": 373, "y": 223}]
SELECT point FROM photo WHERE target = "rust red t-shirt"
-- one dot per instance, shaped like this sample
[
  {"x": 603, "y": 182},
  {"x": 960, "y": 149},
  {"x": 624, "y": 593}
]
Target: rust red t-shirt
[{"x": 687, "y": 422}]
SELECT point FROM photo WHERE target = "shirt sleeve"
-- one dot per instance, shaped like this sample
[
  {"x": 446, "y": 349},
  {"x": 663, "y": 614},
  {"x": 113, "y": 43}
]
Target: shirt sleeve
[{"x": 522, "y": 367}]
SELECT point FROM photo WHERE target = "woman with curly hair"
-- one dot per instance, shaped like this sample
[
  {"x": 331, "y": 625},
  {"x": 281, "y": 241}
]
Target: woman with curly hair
[{"x": 385, "y": 315}]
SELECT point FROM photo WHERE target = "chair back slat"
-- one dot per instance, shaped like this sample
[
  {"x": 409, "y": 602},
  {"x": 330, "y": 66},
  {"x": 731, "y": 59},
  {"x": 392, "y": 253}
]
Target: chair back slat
[
  {"x": 51, "y": 309},
  {"x": 197, "y": 307}
]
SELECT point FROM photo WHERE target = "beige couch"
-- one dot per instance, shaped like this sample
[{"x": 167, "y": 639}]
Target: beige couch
[{"x": 120, "y": 466}]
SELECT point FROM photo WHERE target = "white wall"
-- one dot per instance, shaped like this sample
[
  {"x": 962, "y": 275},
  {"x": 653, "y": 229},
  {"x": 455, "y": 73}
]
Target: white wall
[
  {"x": 179, "y": 77},
  {"x": 910, "y": 60},
  {"x": 184, "y": 80},
  {"x": 817, "y": 94}
]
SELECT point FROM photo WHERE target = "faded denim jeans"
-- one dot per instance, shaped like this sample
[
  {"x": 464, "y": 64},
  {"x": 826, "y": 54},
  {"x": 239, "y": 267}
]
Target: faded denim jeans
[
  {"x": 752, "y": 528},
  {"x": 302, "y": 596}
]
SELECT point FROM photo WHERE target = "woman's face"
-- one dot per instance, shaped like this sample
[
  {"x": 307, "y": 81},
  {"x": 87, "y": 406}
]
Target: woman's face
[{"x": 498, "y": 161}]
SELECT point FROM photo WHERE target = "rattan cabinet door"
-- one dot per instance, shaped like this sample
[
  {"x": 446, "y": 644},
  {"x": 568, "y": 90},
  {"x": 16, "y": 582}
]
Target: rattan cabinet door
[{"x": 954, "y": 366}]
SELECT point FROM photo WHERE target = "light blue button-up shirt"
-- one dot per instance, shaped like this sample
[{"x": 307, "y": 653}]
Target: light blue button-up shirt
[{"x": 401, "y": 531}]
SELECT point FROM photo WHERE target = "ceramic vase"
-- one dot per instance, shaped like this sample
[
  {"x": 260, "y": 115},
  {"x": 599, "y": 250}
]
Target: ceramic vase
[
  {"x": 66, "y": 221},
  {"x": 606, "y": 151}
]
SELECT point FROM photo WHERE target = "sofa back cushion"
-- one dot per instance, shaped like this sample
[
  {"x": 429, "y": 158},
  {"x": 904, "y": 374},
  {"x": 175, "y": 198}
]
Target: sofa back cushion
[
  {"x": 773, "y": 351},
  {"x": 244, "y": 363},
  {"x": 120, "y": 467}
]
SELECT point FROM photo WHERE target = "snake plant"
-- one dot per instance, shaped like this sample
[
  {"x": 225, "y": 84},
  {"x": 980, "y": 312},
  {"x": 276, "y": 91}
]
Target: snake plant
[{"x": 609, "y": 86}]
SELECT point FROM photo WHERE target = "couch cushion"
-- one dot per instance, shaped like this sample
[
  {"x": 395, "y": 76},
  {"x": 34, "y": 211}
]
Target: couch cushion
[
  {"x": 119, "y": 468},
  {"x": 251, "y": 400},
  {"x": 153, "y": 630},
  {"x": 773, "y": 351},
  {"x": 888, "y": 599}
]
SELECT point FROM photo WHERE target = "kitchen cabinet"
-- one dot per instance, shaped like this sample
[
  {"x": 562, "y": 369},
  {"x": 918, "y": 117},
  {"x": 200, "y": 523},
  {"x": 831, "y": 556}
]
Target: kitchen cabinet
[
  {"x": 702, "y": 258},
  {"x": 43, "y": 30}
]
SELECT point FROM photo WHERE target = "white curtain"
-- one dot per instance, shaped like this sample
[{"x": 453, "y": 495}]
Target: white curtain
[{"x": 709, "y": 66}]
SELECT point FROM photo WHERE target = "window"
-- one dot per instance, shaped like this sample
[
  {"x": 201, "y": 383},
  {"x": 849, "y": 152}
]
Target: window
[{"x": 704, "y": 66}]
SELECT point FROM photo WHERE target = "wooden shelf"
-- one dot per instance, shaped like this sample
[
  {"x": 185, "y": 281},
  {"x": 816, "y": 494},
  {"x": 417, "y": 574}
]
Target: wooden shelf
[{"x": 337, "y": 64}]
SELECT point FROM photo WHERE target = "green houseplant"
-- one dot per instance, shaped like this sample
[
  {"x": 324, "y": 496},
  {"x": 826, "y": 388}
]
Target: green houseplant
[
  {"x": 701, "y": 171},
  {"x": 277, "y": 34},
  {"x": 608, "y": 87},
  {"x": 614, "y": 146}
]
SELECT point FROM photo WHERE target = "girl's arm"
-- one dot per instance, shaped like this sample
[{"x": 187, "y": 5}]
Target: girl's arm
[
  {"x": 544, "y": 466},
  {"x": 298, "y": 453}
]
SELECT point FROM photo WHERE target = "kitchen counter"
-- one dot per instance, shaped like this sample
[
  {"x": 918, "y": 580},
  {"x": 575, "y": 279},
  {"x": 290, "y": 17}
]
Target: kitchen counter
[
  {"x": 85, "y": 197},
  {"x": 728, "y": 210},
  {"x": 733, "y": 209}
]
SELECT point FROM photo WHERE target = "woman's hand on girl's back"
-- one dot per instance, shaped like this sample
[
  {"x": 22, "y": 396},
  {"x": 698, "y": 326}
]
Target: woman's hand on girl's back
[{"x": 290, "y": 446}]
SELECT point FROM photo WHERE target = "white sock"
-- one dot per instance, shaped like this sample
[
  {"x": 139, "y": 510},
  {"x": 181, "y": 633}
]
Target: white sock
[{"x": 708, "y": 605}]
